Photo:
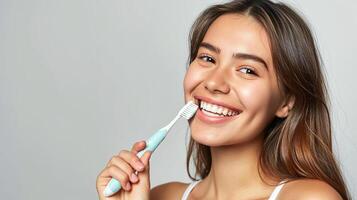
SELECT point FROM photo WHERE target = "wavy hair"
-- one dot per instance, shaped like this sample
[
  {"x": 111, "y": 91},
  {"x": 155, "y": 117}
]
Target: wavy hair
[{"x": 300, "y": 145}]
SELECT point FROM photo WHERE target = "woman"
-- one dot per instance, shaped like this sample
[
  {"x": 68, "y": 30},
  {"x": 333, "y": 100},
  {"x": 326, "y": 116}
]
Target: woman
[{"x": 263, "y": 129}]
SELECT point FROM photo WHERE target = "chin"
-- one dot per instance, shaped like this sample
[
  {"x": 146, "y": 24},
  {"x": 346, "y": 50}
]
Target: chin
[
  {"x": 215, "y": 138},
  {"x": 209, "y": 137}
]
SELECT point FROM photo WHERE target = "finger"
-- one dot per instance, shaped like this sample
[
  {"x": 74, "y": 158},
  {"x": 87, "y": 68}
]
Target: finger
[
  {"x": 146, "y": 158},
  {"x": 120, "y": 163},
  {"x": 132, "y": 159},
  {"x": 115, "y": 172},
  {"x": 138, "y": 146},
  {"x": 144, "y": 177}
]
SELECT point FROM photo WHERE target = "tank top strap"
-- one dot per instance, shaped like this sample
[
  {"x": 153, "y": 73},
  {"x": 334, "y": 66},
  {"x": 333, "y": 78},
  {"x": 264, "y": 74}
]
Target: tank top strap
[
  {"x": 276, "y": 190},
  {"x": 273, "y": 195},
  {"x": 189, "y": 189}
]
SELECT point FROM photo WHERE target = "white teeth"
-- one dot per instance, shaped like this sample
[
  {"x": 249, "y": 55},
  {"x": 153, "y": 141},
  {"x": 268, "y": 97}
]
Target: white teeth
[
  {"x": 209, "y": 107},
  {"x": 217, "y": 109},
  {"x": 220, "y": 109},
  {"x": 225, "y": 111}
]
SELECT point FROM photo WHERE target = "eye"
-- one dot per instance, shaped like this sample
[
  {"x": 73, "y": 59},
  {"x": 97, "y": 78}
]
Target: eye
[
  {"x": 248, "y": 70},
  {"x": 207, "y": 58}
]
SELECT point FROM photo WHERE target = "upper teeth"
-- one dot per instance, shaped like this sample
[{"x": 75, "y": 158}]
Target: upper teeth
[{"x": 217, "y": 109}]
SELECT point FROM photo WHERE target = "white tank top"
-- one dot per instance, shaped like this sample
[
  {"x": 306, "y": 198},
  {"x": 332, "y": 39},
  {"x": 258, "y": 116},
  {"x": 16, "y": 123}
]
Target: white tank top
[{"x": 273, "y": 195}]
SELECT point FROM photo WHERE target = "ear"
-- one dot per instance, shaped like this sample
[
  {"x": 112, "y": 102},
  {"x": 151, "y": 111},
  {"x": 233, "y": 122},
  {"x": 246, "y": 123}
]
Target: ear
[{"x": 285, "y": 107}]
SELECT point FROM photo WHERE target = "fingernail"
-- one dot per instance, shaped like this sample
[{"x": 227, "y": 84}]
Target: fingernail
[
  {"x": 139, "y": 165},
  {"x": 133, "y": 177},
  {"x": 127, "y": 186}
]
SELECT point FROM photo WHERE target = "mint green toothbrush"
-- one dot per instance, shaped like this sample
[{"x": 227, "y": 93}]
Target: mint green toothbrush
[{"x": 153, "y": 142}]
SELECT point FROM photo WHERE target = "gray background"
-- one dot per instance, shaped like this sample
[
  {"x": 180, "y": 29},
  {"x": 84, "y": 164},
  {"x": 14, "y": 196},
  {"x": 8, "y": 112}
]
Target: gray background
[{"x": 82, "y": 79}]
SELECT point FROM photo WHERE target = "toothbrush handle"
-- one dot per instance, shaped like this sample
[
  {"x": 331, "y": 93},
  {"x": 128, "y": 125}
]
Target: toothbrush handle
[{"x": 151, "y": 144}]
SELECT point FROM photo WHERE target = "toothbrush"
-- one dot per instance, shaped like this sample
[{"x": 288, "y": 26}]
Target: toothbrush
[{"x": 153, "y": 142}]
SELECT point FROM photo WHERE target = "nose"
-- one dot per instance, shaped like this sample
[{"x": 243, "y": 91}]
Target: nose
[{"x": 216, "y": 82}]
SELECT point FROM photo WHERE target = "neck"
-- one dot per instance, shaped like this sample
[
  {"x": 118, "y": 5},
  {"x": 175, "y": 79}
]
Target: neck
[{"x": 234, "y": 173}]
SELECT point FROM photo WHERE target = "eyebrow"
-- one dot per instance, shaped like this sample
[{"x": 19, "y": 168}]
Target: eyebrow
[{"x": 235, "y": 55}]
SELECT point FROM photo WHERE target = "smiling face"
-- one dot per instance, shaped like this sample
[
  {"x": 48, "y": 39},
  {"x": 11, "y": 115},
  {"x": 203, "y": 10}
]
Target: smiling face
[{"x": 233, "y": 69}]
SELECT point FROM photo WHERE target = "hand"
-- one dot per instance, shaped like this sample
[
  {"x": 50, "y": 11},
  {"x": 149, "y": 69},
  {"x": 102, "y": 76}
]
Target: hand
[{"x": 122, "y": 168}]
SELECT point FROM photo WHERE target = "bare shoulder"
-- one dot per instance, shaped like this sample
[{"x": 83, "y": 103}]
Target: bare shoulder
[
  {"x": 171, "y": 190},
  {"x": 308, "y": 189}
]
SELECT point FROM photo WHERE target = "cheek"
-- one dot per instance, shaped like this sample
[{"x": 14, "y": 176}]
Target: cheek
[
  {"x": 256, "y": 97},
  {"x": 192, "y": 78}
]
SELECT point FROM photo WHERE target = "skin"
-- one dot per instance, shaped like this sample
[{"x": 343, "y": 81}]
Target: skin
[
  {"x": 122, "y": 167},
  {"x": 235, "y": 145}
]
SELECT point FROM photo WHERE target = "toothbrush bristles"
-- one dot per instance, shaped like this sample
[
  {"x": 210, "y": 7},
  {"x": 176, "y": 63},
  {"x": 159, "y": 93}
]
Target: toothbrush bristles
[{"x": 189, "y": 110}]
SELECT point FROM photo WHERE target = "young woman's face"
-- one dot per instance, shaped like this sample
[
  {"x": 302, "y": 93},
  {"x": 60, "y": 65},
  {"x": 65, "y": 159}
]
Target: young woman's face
[{"x": 233, "y": 69}]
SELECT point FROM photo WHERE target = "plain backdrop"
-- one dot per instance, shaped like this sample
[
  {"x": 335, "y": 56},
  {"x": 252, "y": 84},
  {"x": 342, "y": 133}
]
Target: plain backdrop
[{"x": 82, "y": 79}]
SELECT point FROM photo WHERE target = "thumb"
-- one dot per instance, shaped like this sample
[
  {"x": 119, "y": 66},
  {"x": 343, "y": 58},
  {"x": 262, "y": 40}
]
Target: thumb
[
  {"x": 146, "y": 160},
  {"x": 145, "y": 174}
]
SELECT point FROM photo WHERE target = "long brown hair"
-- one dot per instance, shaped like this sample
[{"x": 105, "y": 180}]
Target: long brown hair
[{"x": 300, "y": 145}]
